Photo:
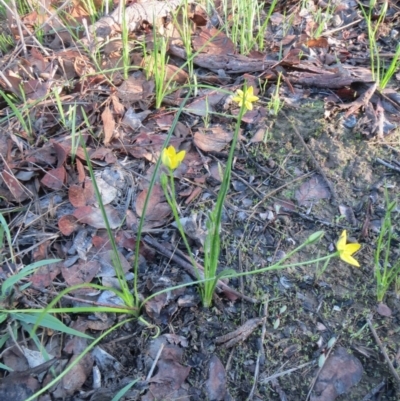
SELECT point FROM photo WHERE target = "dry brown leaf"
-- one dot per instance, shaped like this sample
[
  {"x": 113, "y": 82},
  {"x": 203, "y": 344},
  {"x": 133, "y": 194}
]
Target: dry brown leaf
[
  {"x": 68, "y": 224},
  {"x": 93, "y": 216},
  {"x": 55, "y": 178},
  {"x": 81, "y": 272},
  {"x": 157, "y": 209},
  {"x": 82, "y": 195},
  {"x": 216, "y": 383},
  {"x": 44, "y": 276},
  {"x": 312, "y": 191},
  {"x": 212, "y": 41},
  {"x": 213, "y": 139},
  {"x": 109, "y": 125},
  {"x": 17, "y": 190},
  {"x": 340, "y": 372}
]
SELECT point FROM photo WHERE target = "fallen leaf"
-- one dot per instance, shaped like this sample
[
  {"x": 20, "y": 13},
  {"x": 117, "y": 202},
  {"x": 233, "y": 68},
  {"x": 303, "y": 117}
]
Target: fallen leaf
[
  {"x": 55, "y": 178},
  {"x": 82, "y": 195},
  {"x": 384, "y": 310},
  {"x": 157, "y": 209},
  {"x": 213, "y": 139},
  {"x": 68, "y": 224},
  {"x": 212, "y": 41},
  {"x": 340, "y": 372},
  {"x": 93, "y": 216},
  {"x": 108, "y": 125},
  {"x": 81, "y": 272},
  {"x": 17, "y": 190},
  {"x": 216, "y": 382},
  {"x": 44, "y": 276},
  {"x": 312, "y": 190}
]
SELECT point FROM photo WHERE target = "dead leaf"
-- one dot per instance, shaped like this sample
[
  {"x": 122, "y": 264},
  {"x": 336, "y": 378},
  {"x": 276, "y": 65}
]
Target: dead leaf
[
  {"x": 168, "y": 383},
  {"x": 384, "y": 310},
  {"x": 340, "y": 372},
  {"x": 205, "y": 103},
  {"x": 68, "y": 224},
  {"x": 312, "y": 191},
  {"x": 44, "y": 276},
  {"x": 82, "y": 195},
  {"x": 216, "y": 383},
  {"x": 81, "y": 272},
  {"x": 212, "y": 41},
  {"x": 17, "y": 190},
  {"x": 93, "y": 216},
  {"x": 55, "y": 178},
  {"x": 109, "y": 125},
  {"x": 157, "y": 209},
  {"x": 348, "y": 213},
  {"x": 213, "y": 139}
]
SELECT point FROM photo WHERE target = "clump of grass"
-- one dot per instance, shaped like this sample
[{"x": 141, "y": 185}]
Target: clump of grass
[
  {"x": 248, "y": 25},
  {"x": 381, "y": 73},
  {"x": 387, "y": 267}
]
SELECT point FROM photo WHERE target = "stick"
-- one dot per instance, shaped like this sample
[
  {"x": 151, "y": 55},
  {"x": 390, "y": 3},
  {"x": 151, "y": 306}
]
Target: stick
[{"x": 382, "y": 348}]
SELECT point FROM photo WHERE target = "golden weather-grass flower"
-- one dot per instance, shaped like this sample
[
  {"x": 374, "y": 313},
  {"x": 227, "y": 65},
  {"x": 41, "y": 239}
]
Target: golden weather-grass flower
[
  {"x": 246, "y": 97},
  {"x": 347, "y": 250},
  {"x": 171, "y": 159}
]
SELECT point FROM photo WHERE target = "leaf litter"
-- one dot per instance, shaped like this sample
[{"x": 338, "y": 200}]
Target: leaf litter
[{"x": 280, "y": 195}]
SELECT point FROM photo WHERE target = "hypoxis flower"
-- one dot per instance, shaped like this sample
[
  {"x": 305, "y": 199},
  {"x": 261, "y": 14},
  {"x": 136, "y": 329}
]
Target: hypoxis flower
[
  {"x": 246, "y": 97},
  {"x": 171, "y": 159},
  {"x": 346, "y": 250}
]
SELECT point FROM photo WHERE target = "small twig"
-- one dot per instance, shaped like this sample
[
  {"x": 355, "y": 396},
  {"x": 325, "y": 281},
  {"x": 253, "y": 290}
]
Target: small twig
[
  {"x": 388, "y": 165},
  {"x": 286, "y": 372},
  {"x": 153, "y": 366},
  {"x": 261, "y": 352},
  {"x": 385, "y": 355},
  {"x": 328, "y": 33},
  {"x": 374, "y": 391},
  {"x": 314, "y": 160}
]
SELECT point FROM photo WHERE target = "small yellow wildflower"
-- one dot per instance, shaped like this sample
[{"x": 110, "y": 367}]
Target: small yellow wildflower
[
  {"x": 245, "y": 97},
  {"x": 346, "y": 250},
  {"x": 171, "y": 159}
]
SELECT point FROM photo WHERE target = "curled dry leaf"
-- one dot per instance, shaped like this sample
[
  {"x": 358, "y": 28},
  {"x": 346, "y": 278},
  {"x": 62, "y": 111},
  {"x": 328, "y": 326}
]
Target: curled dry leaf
[
  {"x": 312, "y": 191},
  {"x": 108, "y": 124},
  {"x": 45, "y": 275},
  {"x": 340, "y": 372},
  {"x": 212, "y": 140},
  {"x": 212, "y": 41},
  {"x": 55, "y": 178},
  {"x": 82, "y": 195},
  {"x": 80, "y": 273},
  {"x": 216, "y": 383},
  {"x": 93, "y": 216},
  {"x": 17, "y": 191},
  {"x": 157, "y": 209}
]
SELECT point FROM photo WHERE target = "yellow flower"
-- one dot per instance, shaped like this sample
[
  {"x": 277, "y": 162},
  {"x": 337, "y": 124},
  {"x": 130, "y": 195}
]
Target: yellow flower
[
  {"x": 245, "y": 97},
  {"x": 171, "y": 159},
  {"x": 346, "y": 250}
]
